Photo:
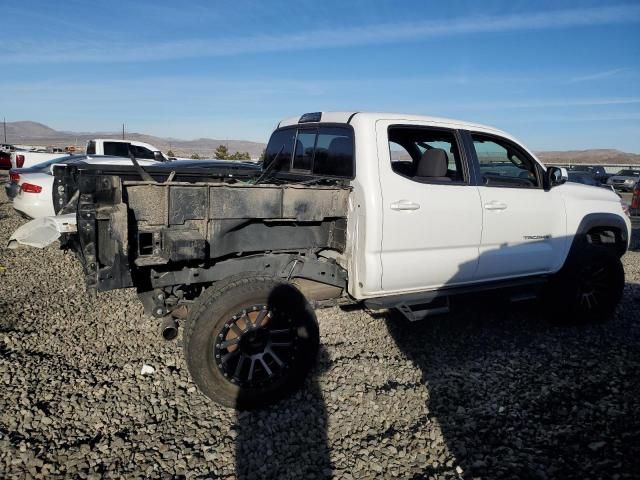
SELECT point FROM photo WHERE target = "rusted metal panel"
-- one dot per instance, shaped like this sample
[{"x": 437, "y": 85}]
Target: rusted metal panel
[
  {"x": 149, "y": 203},
  {"x": 187, "y": 203},
  {"x": 313, "y": 205},
  {"x": 238, "y": 218},
  {"x": 245, "y": 202}
]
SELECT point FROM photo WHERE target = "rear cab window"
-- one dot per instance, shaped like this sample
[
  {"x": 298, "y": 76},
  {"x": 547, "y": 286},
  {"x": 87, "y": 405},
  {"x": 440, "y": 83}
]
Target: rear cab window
[
  {"x": 326, "y": 150},
  {"x": 91, "y": 148}
]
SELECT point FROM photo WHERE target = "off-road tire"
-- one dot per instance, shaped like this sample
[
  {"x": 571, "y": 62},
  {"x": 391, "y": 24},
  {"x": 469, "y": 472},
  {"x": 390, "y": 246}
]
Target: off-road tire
[
  {"x": 588, "y": 288},
  {"x": 211, "y": 322}
]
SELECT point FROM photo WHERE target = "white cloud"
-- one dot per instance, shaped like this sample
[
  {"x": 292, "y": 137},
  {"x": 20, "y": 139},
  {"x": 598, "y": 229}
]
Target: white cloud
[
  {"x": 598, "y": 75},
  {"x": 118, "y": 51},
  {"x": 554, "y": 103}
]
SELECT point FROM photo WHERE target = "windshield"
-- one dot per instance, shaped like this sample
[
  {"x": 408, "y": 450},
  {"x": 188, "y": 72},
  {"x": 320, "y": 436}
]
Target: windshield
[{"x": 629, "y": 173}]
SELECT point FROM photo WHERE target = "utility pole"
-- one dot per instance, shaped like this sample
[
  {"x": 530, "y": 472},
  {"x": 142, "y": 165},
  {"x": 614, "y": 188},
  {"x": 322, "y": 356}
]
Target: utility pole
[
  {"x": 123, "y": 131},
  {"x": 4, "y": 121}
]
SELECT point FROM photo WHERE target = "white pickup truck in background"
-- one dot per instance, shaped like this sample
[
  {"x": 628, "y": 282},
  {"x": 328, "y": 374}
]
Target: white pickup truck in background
[
  {"x": 98, "y": 146},
  {"x": 121, "y": 148}
]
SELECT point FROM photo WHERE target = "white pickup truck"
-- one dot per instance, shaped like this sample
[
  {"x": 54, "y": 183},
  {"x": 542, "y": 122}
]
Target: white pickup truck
[
  {"x": 121, "y": 148},
  {"x": 383, "y": 210},
  {"x": 98, "y": 146}
]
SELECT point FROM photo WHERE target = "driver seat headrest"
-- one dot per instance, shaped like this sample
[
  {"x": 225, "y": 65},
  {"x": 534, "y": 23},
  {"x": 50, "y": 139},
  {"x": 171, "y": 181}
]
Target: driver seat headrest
[{"x": 433, "y": 165}]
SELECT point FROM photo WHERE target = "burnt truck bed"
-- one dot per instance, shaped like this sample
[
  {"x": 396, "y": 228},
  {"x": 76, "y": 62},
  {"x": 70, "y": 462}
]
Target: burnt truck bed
[{"x": 182, "y": 230}]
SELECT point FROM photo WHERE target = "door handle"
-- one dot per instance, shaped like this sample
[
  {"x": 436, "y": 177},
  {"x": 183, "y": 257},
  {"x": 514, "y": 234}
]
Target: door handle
[
  {"x": 404, "y": 205},
  {"x": 495, "y": 206}
]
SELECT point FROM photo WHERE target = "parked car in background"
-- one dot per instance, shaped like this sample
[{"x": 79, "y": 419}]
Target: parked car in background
[
  {"x": 625, "y": 180},
  {"x": 583, "y": 177},
  {"x": 598, "y": 172},
  {"x": 634, "y": 206},
  {"x": 5, "y": 155},
  {"x": 98, "y": 146},
  {"x": 32, "y": 188},
  {"x": 30, "y": 158},
  {"x": 5, "y": 159},
  {"x": 12, "y": 187},
  {"x": 586, "y": 178}
]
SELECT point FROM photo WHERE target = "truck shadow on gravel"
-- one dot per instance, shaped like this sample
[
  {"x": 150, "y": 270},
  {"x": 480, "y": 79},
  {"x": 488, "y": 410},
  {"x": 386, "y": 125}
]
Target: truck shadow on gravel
[
  {"x": 517, "y": 396},
  {"x": 288, "y": 440}
]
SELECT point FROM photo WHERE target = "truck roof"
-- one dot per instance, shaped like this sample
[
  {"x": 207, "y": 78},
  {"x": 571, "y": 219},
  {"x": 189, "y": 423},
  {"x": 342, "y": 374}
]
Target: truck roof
[{"x": 347, "y": 117}]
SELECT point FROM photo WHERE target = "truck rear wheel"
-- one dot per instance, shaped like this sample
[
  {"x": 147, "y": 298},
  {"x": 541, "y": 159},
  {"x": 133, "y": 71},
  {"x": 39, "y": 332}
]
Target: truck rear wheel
[
  {"x": 250, "y": 341},
  {"x": 589, "y": 287}
]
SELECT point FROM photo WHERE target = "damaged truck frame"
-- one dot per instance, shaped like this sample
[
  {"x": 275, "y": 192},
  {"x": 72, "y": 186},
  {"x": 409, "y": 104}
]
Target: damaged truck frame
[{"x": 384, "y": 210}]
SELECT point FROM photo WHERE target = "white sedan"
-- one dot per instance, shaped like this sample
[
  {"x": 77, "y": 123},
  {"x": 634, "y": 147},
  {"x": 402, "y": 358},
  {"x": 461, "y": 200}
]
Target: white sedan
[{"x": 35, "y": 189}]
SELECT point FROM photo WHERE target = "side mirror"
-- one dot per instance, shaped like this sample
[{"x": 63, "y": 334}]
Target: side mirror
[{"x": 556, "y": 176}]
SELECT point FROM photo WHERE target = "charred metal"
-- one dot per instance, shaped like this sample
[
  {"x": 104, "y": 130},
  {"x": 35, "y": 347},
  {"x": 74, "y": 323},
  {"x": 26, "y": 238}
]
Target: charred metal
[{"x": 172, "y": 235}]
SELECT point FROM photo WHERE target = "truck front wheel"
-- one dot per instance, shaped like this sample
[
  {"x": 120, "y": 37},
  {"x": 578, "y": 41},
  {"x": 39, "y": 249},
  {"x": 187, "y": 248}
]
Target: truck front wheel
[
  {"x": 250, "y": 341},
  {"x": 589, "y": 287}
]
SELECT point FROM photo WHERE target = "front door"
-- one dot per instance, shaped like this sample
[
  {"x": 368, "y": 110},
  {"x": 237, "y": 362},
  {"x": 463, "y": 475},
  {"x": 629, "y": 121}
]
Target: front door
[
  {"x": 432, "y": 219},
  {"x": 524, "y": 226}
]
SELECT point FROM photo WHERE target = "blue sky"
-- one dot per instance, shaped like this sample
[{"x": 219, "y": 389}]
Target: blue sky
[{"x": 557, "y": 74}]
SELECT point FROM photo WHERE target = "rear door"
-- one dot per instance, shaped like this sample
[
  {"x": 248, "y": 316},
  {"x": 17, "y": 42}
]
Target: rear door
[
  {"x": 431, "y": 225},
  {"x": 524, "y": 226}
]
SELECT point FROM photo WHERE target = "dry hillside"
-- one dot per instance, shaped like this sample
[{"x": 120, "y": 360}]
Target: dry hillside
[{"x": 33, "y": 133}]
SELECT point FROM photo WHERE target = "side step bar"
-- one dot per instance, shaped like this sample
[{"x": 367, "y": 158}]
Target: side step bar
[
  {"x": 418, "y": 306},
  {"x": 415, "y": 313}
]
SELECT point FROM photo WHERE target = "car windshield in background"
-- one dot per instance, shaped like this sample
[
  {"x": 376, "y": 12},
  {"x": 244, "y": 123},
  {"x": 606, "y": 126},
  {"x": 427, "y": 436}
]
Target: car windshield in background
[
  {"x": 629, "y": 173},
  {"x": 44, "y": 166},
  {"x": 581, "y": 177}
]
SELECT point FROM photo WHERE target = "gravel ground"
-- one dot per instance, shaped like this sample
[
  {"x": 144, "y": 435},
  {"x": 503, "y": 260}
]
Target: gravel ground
[{"x": 479, "y": 393}]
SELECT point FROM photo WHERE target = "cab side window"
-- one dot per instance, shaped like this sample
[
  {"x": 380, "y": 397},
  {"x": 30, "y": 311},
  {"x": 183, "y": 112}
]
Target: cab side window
[
  {"x": 425, "y": 155},
  {"x": 117, "y": 149},
  {"x": 502, "y": 164},
  {"x": 142, "y": 152}
]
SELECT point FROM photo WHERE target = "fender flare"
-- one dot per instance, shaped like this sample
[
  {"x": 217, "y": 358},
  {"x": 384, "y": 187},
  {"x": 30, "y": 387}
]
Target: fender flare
[{"x": 600, "y": 220}]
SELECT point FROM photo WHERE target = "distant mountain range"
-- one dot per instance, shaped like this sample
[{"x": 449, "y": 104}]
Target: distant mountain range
[
  {"x": 34, "y": 133},
  {"x": 595, "y": 157}
]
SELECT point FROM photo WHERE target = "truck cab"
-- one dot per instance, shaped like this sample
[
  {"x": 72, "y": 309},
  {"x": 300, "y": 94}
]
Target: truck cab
[
  {"x": 121, "y": 148},
  {"x": 473, "y": 204}
]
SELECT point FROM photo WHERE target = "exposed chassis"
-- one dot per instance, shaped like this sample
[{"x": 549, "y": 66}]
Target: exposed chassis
[{"x": 155, "y": 236}]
